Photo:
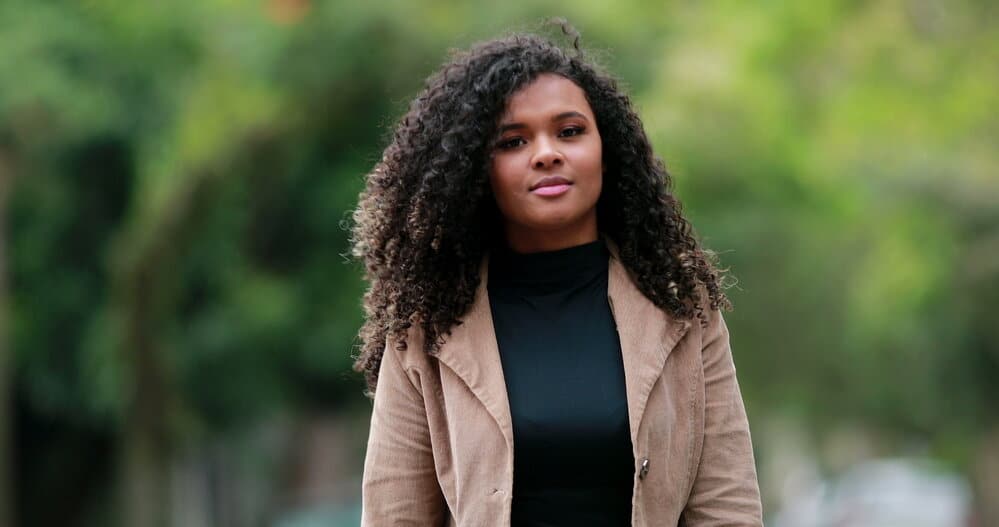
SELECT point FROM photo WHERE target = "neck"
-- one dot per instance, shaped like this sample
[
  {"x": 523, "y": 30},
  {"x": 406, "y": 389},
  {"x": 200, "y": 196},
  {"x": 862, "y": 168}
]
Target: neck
[
  {"x": 525, "y": 241},
  {"x": 547, "y": 271}
]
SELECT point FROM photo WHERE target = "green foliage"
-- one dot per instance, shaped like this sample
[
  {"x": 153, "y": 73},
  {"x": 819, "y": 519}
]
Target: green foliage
[{"x": 203, "y": 157}]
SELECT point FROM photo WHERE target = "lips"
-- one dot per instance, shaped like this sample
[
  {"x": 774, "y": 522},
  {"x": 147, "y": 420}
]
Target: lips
[{"x": 550, "y": 181}]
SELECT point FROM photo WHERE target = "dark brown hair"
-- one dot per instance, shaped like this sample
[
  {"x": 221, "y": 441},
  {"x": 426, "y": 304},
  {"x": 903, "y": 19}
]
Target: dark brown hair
[{"x": 427, "y": 215}]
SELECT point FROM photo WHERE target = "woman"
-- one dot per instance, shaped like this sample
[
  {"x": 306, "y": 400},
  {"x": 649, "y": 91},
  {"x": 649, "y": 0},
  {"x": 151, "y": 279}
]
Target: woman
[{"x": 543, "y": 340}]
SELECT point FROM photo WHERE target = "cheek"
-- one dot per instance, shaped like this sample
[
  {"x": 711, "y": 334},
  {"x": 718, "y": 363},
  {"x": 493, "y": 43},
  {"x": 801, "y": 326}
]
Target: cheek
[
  {"x": 589, "y": 163},
  {"x": 502, "y": 180},
  {"x": 596, "y": 159}
]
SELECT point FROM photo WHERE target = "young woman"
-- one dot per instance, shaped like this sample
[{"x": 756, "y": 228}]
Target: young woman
[{"x": 544, "y": 342}]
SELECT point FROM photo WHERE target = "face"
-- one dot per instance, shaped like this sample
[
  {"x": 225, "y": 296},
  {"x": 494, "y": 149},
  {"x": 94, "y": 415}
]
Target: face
[{"x": 547, "y": 166}]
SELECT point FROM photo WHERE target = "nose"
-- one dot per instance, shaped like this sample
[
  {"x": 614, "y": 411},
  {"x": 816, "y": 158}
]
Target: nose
[{"x": 546, "y": 156}]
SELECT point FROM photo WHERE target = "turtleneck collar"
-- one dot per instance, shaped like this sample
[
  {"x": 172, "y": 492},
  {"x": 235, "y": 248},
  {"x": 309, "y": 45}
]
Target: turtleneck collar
[{"x": 547, "y": 271}]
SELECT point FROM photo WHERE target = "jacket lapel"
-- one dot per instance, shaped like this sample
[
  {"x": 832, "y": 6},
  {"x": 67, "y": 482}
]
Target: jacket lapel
[
  {"x": 472, "y": 353},
  {"x": 647, "y": 335}
]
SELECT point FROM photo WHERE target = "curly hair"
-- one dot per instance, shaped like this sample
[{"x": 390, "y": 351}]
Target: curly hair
[{"x": 427, "y": 216}]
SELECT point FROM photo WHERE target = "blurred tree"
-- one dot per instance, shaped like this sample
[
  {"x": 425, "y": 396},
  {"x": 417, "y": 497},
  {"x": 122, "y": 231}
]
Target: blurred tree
[
  {"x": 835, "y": 150},
  {"x": 7, "y": 513},
  {"x": 178, "y": 265},
  {"x": 175, "y": 244}
]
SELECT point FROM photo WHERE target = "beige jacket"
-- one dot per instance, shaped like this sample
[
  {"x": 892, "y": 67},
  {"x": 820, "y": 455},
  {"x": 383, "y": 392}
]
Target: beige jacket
[{"x": 440, "y": 447}]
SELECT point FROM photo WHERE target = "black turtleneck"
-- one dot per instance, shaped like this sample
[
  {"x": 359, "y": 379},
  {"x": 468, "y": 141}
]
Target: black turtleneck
[{"x": 561, "y": 357}]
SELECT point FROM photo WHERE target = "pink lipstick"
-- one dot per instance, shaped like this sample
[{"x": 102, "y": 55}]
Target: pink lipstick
[{"x": 552, "y": 190}]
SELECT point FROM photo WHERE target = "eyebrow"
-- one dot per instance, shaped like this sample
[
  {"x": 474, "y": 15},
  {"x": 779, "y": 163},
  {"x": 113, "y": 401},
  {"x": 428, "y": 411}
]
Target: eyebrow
[{"x": 563, "y": 115}]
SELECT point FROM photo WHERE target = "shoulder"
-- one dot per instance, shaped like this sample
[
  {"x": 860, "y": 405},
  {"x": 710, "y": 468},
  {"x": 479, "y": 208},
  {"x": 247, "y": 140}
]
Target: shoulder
[
  {"x": 707, "y": 321},
  {"x": 411, "y": 355}
]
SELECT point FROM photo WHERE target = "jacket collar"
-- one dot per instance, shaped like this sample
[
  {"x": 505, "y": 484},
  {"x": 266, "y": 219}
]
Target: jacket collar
[{"x": 647, "y": 335}]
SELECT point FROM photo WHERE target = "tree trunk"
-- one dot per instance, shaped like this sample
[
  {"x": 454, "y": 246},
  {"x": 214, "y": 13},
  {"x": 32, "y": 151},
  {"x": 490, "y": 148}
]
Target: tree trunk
[
  {"x": 987, "y": 478},
  {"x": 146, "y": 441},
  {"x": 145, "y": 266},
  {"x": 7, "y": 512}
]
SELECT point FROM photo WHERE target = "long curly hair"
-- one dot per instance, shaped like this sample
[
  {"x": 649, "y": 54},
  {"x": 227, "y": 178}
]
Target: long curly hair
[{"x": 427, "y": 216}]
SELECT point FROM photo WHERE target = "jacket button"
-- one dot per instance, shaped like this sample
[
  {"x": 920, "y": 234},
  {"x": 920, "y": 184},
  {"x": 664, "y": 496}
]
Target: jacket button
[{"x": 645, "y": 468}]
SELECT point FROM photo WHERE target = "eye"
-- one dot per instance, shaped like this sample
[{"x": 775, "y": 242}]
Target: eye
[
  {"x": 510, "y": 143},
  {"x": 571, "y": 131}
]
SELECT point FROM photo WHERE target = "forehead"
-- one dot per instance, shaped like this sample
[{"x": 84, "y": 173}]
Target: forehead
[{"x": 548, "y": 93}]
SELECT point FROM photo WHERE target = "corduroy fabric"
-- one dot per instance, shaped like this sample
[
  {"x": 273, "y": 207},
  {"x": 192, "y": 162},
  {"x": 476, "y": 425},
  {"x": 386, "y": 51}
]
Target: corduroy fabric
[{"x": 440, "y": 444}]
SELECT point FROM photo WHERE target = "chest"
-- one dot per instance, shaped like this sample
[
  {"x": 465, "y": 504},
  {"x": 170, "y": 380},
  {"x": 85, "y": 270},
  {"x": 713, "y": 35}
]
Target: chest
[{"x": 476, "y": 452}]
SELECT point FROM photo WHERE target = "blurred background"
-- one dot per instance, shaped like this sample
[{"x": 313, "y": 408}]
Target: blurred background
[{"x": 177, "y": 314}]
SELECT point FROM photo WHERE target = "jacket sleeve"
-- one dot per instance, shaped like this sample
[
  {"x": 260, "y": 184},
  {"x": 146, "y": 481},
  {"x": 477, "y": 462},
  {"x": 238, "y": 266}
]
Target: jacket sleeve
[
  {"x": 725, "y": 489},
  {"x": 399, "y": 486}
]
